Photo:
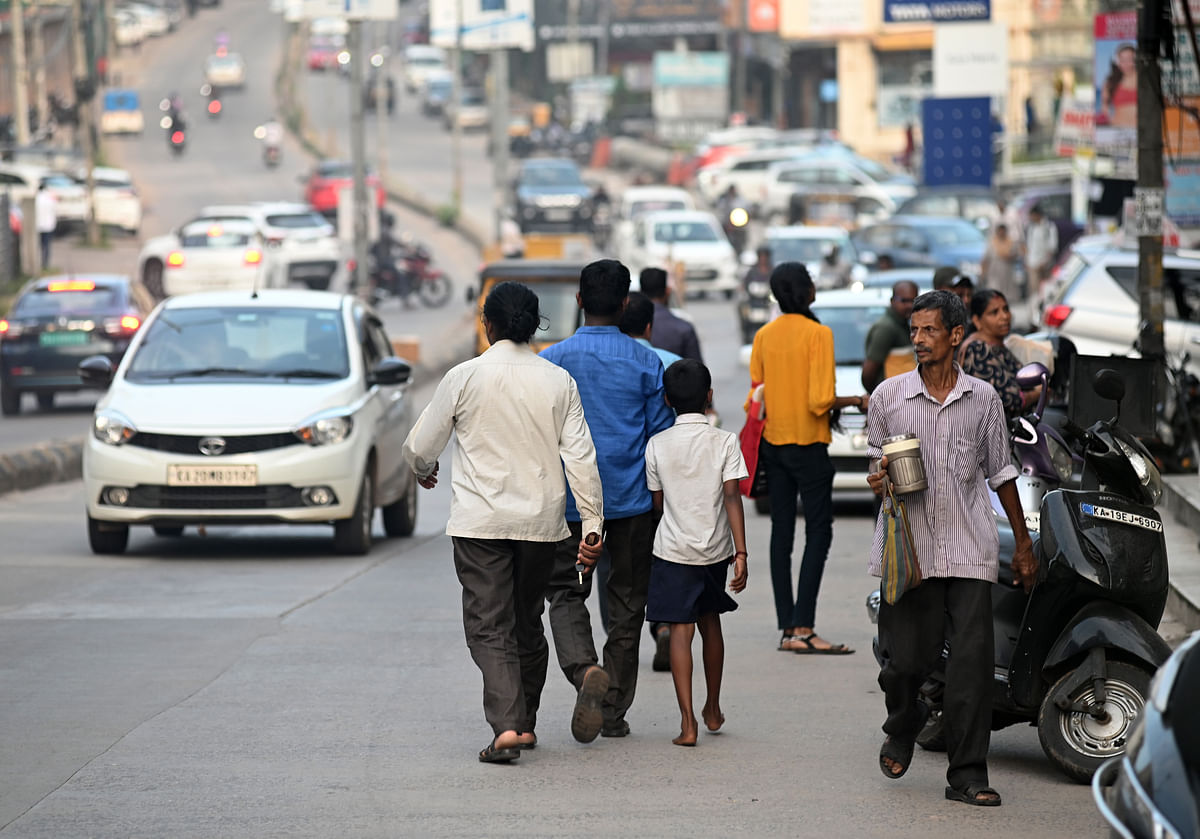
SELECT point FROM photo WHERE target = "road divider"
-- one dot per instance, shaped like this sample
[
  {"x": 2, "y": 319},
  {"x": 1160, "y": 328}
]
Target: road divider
[{"x": 45, "y": 463}]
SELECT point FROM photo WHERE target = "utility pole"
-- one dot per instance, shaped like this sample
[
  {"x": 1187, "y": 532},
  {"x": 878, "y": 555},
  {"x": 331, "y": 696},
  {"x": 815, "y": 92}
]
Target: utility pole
[
  {"x": 1149, "y": 190},
  {"x": 382, "y": 113},
  {"x": 20, "y": 75},
  {"x": 500, "y": 135},
  {"x": 602, "y": 44},
  {"x": 456, "y": 124},
  {"x": 40, "y": 99},
  {"x": 739, "y": 56},
  {"x": 358, "y": 153},
  {"x": 84, "y": 95}
]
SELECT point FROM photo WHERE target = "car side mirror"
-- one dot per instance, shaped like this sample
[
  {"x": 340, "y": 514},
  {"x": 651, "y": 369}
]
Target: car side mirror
[
  {"x": 390, "y": 371},
  {"x": 96, "y": 371}
]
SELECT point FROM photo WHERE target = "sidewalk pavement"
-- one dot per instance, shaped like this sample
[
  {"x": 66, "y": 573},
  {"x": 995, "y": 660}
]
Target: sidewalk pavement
[{"x": 1180, "y": 510}]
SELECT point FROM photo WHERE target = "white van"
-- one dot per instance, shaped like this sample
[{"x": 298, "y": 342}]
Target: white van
[{"x": 420, "y": 61}]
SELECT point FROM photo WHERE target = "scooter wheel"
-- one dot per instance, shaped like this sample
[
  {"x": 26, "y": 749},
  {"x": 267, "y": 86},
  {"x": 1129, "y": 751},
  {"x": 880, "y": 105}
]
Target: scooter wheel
[
  {"x": 434, "y": 291},
  {"x": 1077, "y": 743}
]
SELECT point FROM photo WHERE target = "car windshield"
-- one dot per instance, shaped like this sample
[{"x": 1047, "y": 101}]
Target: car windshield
[
  {"x": 473, "y": 97},
  {"x": 43, "y": 302},
  {"x": 684, "y": 231},
  {"x": 803, "y": 250},
  {"x": 59, "y": 181},
  {"x": 954, "y": 233},
  {"x": 639, "y": 207},
  {"x": 297, "y": 220},
  {"x": 225, "y": 62},
  {"x": 242, "y": 342},
  {"x": 551, "y": 176},
  {"x": 335, "y": 169},
  {"x": 850, "y": 325},
  {"x": 425, "y": 61},
  {"x": 440, "y": 87}
]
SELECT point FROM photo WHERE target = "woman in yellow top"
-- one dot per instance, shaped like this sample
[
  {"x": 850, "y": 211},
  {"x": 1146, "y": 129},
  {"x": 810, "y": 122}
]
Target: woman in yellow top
[{"x": 792, "y": 358}]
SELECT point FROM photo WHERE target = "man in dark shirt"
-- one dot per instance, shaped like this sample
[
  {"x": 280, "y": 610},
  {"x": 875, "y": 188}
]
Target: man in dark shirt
[
  {"x": 888, "y": 337},
  {"x": 669, "y": 332}
]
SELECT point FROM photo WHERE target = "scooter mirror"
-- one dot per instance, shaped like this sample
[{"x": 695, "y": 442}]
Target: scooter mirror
[
  {"x": 1108, "y": 385},
  {"x": 1032, "y": 375}
]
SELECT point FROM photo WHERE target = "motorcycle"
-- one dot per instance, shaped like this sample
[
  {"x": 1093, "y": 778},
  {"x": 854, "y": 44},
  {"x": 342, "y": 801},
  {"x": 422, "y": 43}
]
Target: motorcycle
[
  {"x": 271, "y": 156},
  {"x": 735, "y": 224},
  {"x": 410, "y": 270},
  {"x": 177, "y": 139},
  {"x": 1075, "y": 656},
  {"x": 601, "y": 224},
  {"x": 1152, "y": 787},
  {"x": 214, "y": 100},
  {"x": 754, "y": 308}
]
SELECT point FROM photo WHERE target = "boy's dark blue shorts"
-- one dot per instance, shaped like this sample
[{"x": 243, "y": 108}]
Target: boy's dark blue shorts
[{"x": 682, "y": 593}]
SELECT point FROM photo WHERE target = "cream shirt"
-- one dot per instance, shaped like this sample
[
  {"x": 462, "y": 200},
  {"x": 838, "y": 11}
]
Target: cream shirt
[
  {"x": 519, "y": 424},
  {"x": 690, "y": 463}
]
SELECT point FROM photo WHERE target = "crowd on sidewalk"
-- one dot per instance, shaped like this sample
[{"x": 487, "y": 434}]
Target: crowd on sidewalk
[{"x": 601, "y": 447}]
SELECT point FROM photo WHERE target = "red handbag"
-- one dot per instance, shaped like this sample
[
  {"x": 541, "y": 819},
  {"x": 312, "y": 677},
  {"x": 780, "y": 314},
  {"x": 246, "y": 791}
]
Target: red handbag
[{"x": 750, "y": 438}]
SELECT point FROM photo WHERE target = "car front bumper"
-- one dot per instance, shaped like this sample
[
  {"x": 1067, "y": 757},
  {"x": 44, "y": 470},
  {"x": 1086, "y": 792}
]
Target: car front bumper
[{"x": 282, "y": 475}]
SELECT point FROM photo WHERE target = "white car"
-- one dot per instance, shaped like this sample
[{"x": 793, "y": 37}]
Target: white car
[
  {"x": 216, "y": 255},
  {"x": 127, "y": 28},
  {"x": 288, "y": 407},
  {"x": 692, "y": 238},
  {"x": 874, "y": 191},
  {"x": 223, "y": 71},
  {"x": 115, "y": 198},
  {"x": 20, "y": 180},
  {"x": 472, "y": 114},
  {"x": 809, "y": 245},
  {"x": 303, "y": 246},
  {"x": 421, "y": 61},
  {"x": 154, "y": 20},
  {"x": 636, "y": 200},
  {"x": 745, "y": 172},
  {"x": 70, "y": 199}
]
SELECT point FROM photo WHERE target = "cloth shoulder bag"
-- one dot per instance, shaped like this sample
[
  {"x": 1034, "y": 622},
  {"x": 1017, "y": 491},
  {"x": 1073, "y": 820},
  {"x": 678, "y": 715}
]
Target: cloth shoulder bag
[{"x": 900, "y": 569}]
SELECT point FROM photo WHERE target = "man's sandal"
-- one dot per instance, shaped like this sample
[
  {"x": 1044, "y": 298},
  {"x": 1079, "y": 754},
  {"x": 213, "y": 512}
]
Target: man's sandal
[{"x": 970, "y": 795}]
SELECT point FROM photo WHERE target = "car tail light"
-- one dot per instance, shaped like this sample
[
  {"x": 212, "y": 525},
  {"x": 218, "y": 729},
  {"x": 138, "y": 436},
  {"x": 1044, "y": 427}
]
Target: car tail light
[
  {"x": 253, "y": 256},
  {"x": 177, "y": 137},
  {"x": 1055, "y": 316},
  {"x": 122, "y": 326},
  {"x": 10, "y": 330},
  {"x": 175, "y": 259},
  {"x": 72, "y": 285}
]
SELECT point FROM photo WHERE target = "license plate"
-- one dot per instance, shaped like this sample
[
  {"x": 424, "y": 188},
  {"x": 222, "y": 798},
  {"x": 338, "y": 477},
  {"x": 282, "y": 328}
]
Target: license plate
[
  {"x": 63, "y": 339},
  {"x": 212, "y": 476},
  {"x": 558, "y": 215}
]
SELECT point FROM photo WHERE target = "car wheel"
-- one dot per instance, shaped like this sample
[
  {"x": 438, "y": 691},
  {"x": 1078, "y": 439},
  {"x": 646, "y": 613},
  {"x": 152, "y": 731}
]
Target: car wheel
[
  {"x": 353, "y": 535},
  {"x": 168, "y": 531},
  {"x": 152, "y": 278},
  {"x": 107, "y": 537},
  {"x": 10, "y": 400},
  {"x": 400, "y": 517},
  {"x": 45, "y": 401}
]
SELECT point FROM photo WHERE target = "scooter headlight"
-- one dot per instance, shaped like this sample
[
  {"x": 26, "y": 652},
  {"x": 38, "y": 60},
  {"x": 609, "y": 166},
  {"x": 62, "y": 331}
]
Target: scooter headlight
[
  {"x": 1147, "y": 473},
  {"x": 1060, "y": 456}
]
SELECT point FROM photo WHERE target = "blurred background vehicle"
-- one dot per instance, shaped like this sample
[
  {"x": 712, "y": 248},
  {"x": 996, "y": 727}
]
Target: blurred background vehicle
[
  {"x": 913, "y": 241},
  {"x": 420, "y": 62},
  {"x": 471, "y": 113},
  {"x": 225, "y": 71},
  {"x": 550, "y": 193},
  {"x": 435, "y": 93},
  {"x": 328, "y": 178},
  {"x": 57, "y": 321},
  {"x": 977, "y": 204},
  {"x": 690, "y": 239}
]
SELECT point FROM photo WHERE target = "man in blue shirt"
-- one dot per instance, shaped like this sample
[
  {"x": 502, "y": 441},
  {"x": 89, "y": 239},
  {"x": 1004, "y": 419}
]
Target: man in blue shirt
[{"x": 621, "y": 386}]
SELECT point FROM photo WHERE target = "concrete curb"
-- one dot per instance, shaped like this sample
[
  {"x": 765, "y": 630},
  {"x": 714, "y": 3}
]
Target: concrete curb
[
  {"x": 46, "y": 463},
  {"x": 1181, "y": 498}
]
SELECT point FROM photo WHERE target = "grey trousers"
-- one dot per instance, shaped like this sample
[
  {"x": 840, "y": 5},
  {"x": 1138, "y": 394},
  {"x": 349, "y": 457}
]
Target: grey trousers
[
  {"x": 629, "y": 542},
  {"x": 504, "y": 582},
  {"x": 911, "y": 635}
]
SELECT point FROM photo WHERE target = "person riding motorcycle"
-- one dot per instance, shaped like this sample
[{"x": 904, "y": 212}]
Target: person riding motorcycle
[{"x": 735, "y": 228}]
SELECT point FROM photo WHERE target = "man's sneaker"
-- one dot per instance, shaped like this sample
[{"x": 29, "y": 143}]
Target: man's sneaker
[
  {"x": 662, "y": 650},
  {"x": 588, "y": 717}
]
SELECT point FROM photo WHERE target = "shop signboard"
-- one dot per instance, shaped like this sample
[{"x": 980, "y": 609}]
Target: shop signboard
[
  {"x": 936, "y": 11},
  {"x": 486, "y": 24},
  {"x": 650, "y": 18},
  {"x": 763, "y": 15},
  {"x": 958, "y": 141},
  {"x": 691, "y": 93},
  {"x": 970, "y": 59},
  {"x": 1076, "y": 128},
  {"x": 820, "y": 19}
]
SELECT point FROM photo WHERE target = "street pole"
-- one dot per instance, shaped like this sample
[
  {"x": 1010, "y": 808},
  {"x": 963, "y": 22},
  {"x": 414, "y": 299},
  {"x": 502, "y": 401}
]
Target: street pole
[
  {"x": 20, "y": 75},
  {"x": 382, "y": 115},
  {"x": 85, "y": 111},
  {"x": 358, "y": 152},
  {"x": 1150, "y": 176},
  {"x": 500, "y": 135},
  {"x": 456, "y": 125},
  {"x": 739, "y": 57},
  {"x": 40, "y": 98},
  {"x": 602, "y": 45}
]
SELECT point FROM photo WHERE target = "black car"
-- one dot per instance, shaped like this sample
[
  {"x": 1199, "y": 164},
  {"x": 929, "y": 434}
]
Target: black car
[
  {"x": 550, "y": 194},
  {"x": 55, "y": 323}
]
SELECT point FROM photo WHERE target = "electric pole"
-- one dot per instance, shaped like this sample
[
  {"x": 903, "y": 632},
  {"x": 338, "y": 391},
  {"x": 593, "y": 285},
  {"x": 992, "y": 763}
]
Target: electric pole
[
  {"x": 456, "y": 123},
  {"x": 500, "y": 135},
  {"x": 1149, "y": 193},
  {"x": 40, "y": 98},
  {"x": 358, "y": 153},
  {"x": 84, "y": 95},
  {"x": 20, "y": 75}
]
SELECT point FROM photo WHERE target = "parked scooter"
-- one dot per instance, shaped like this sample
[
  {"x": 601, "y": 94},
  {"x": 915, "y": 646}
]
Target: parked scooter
[
  {"x": 1154, "y": 785},
  {"x": 1075, "y": 656}
]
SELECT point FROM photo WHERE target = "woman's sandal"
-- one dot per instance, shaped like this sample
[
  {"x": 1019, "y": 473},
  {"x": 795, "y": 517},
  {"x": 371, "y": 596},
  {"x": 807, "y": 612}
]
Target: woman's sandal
[
  {"x": 499, "y": 754},
  {"x": 970, "y": 795},
  {"x": 807, "y": 647}
]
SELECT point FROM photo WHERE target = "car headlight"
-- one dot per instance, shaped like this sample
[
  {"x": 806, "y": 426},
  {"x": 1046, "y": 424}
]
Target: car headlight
[
  {"x": 112, "y": 428},
  {"x": 325, "y": 430}
]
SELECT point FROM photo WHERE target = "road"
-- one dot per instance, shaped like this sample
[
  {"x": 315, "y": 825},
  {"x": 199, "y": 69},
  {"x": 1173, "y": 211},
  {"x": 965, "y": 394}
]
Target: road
[{"x": 247, "y": 683}]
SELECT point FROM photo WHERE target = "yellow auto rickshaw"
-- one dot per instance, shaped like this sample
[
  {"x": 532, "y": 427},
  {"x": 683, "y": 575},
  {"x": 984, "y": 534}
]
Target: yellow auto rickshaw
[{"x": 554, "y": 281}]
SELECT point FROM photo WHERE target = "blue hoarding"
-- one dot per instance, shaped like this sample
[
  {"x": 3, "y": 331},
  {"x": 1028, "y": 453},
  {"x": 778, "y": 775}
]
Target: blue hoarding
[
  {"x": 957, "y": 141},
  {"x": 936, "y": 11}
]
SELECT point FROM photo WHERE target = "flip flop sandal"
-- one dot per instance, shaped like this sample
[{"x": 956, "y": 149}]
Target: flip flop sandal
[
  {"x": 970, "y": 795},
  {"x": 810, "y": 649},
  {"x": 498, "y": 754},
  {"x": 897, "y": 751}
]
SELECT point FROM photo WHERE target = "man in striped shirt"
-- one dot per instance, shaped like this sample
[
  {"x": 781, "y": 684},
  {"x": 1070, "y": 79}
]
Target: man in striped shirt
[{"x": 964, "y": 446}]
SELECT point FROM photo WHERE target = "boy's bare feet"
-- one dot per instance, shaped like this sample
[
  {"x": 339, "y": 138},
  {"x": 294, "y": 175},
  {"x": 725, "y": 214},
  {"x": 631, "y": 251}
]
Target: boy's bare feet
[
  {"x": 688, "y": 731},
  {"x": 713, "y": 718}
]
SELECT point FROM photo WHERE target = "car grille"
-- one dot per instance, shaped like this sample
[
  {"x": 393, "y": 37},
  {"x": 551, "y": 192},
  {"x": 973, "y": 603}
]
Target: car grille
[
  {"x": 702, "y": 274},
  {"x": 187, "y": 444},
  {"x": 273, "y": 496}
]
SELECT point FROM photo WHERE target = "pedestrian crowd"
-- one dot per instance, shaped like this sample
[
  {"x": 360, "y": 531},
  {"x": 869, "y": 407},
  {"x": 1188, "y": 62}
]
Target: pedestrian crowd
[{"x": 594, "y": 464}]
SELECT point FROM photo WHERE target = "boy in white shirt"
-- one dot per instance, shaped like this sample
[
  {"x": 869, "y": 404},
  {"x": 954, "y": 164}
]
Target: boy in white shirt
[{"x": 692, "y": 471}]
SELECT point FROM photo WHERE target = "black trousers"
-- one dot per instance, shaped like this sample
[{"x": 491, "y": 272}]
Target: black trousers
[
  {"x": 629, "y": 542},
  {"x": 911, "y": 636},
  {"x": 503, "y": 583}
]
